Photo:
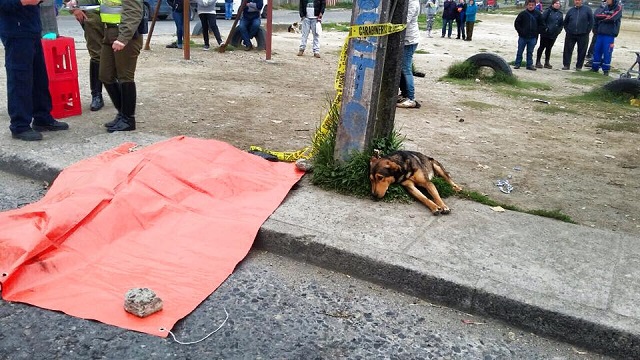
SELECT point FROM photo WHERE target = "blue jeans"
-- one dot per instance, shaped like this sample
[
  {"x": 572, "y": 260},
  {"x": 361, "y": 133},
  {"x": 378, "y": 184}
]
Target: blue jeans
[
  {"x": 248, "y": 29},
  {"x": 177, "y": 18},
  {"x": 530, "y": 43},
  {"x": 228, "y": 10},
  {"x": 447, "y": 23},
  {"x": 406, "y": 78}
]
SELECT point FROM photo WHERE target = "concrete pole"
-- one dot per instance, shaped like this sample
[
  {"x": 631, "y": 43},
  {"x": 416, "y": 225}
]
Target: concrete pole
[{"x": 371, "y": 78}]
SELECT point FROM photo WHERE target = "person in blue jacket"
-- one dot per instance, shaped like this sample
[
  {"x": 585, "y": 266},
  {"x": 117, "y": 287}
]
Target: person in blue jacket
[
  {"x": 607, "y": 25},
  {"x": 27, "y": 82},
  {"x": 470, "y": 18}
]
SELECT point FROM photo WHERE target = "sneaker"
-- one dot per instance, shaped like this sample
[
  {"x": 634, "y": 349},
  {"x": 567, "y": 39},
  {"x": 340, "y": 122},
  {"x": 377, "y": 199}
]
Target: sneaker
[
  {"x": 531, "y": 68},
  {"x": 55, "y": 126},
  {"x": 578, "y": 69},
  {"x": 179, "y": 46},
  {"x": 401, "y": 99},
  {"x": 565, "y": 68},
  {"x": 248, "y": 48},
  {"x": 300, "y": 52},
  {"x": 29, "y": 135},
  {"x": 538, "y": 66},
  {"x": 316, "y": 55},
  {"x": 173, "y": 45},
  {"x": 408, "y": 103},
  {"x": 605, "y": 73},
  {"x": 205, "y": 48},
  {"x": 548, "y": 66},
  {"x": 516, "y": 66}
]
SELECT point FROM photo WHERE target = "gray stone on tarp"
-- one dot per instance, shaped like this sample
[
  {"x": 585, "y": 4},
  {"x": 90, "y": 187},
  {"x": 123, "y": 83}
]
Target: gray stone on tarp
[{"x": 142, "y": 302}]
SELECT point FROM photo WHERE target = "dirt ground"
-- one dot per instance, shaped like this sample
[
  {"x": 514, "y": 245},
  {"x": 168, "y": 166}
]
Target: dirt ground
[{"x": 555, "y": 160}]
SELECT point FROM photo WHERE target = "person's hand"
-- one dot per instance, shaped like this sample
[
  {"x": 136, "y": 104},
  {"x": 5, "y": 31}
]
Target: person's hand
[
  {"x": 117, "y": 45},
  {"x": 80, "y": 15},
  {"x": 30, "y": 2}
]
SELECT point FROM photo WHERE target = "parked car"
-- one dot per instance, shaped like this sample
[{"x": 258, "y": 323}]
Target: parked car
[
  {"x": 236, "y": 6},
  {"x": 165, "y": 10}
]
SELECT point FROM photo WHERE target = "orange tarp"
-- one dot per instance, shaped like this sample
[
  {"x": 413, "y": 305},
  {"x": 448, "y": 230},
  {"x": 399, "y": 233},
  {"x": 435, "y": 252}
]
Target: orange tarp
[{"x": 176, "y": 217}]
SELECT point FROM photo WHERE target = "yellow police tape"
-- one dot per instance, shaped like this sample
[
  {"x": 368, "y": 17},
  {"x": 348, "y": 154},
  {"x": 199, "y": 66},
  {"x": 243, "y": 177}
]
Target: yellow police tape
[{"x": 355, "y": 31}]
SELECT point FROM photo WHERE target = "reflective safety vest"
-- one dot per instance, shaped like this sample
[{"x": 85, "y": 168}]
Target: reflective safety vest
[{"x": 111, "y": 11}]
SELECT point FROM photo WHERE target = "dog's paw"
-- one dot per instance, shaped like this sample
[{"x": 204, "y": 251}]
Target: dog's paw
[
  {"x": 457, "y": 188},
  {"x": 437, "y": 212},
  {"x": 445, "y": 211}
]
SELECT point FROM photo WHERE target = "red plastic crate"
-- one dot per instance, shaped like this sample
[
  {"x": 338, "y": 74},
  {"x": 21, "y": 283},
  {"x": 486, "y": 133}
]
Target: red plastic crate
[
  {"x": 60, "y": 58},
  {"x": 65, "y": 98}
]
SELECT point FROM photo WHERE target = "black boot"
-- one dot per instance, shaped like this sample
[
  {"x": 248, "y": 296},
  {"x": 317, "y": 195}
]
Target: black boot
[
  {"x": 127, "y": 120},
  {"x": 116, "y": 98},
  {"x": 96, "y": 86}
]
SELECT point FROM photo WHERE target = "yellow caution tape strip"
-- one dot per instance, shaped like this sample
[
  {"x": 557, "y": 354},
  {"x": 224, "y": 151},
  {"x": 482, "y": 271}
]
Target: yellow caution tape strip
[{"x": 356, "y": 31}]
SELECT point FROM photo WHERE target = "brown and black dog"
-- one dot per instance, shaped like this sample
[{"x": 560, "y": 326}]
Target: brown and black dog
[{"x": 409, "y": 169}]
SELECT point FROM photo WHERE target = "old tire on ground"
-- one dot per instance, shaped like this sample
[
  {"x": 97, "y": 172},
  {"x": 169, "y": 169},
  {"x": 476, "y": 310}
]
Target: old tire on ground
[
  {"x": 493, "y": 61},
  {"x": 624, "y": 86},
  {"x": 261, "y": 39}
]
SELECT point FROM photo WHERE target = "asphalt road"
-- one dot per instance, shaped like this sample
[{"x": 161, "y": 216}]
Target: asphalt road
[
  {"x": 278, "y": 308},
  {"x": 68, "y": 26}
]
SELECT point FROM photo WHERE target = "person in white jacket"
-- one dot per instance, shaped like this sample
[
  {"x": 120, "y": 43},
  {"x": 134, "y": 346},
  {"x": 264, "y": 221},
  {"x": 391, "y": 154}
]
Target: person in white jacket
[
  {"x": 411, "y": 39},
  {"x": 207, "y": 15}
]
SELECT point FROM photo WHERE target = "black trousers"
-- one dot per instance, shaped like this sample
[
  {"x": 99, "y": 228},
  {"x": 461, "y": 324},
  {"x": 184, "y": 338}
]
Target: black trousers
[
  {"x": 570, "y": 42},
  {"x": 545, "y": 45}
]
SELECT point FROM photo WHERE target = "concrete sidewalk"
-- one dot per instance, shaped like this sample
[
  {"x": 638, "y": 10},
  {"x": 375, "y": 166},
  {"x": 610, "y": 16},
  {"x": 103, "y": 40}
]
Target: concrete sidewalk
[{"x": 566, "y": 281}]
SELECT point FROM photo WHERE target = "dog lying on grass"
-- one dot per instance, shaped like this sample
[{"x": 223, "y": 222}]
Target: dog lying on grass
[{"x": 409, "y": 169}]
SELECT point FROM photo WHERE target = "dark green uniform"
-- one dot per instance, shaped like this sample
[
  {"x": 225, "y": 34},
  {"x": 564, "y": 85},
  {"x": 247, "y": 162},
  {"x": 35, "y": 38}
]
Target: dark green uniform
[
  {"x": 117, "y": 68},
  {"x": 93, "y": 34}
]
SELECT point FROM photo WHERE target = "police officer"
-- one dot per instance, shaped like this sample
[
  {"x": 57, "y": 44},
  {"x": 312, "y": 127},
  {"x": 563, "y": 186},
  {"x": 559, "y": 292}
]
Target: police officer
[
  {"x": 120, "y": 49},
  {"x": 90, "y": 21},
  {"x": 27, "y": 81}
]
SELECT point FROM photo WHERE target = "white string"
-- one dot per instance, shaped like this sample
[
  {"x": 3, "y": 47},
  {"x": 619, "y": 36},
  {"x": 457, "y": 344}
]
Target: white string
[{"x": 204, "y": 338}]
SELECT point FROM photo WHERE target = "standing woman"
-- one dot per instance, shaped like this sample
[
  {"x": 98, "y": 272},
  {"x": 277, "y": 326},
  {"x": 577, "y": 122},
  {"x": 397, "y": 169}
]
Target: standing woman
[
  {"x": 207, "y": 15},
  {"x": 431, "y": 10},
  {"x": 552, "y": 19},
  {"x": 470, "y": 18},
  {"x": 120, "y": 49}
]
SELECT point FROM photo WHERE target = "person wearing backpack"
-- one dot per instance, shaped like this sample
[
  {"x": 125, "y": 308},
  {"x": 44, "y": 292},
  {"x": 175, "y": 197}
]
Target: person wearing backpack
[{"x": 552, "y": 19}]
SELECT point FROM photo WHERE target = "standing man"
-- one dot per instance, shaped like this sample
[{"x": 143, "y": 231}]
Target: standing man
[
  {"x": 120, "y": 49},
  {"x": 449, "y": 13},
  {"x": 608, "y": 20},
  {"x": 577, "y": 25},
  {"x": 177, "y": 8},
  {"x": 250, "y": 22},
  {"x": 528, "y": 25},
  {"x": 28, "y": 95},
  {"x": 311, "y": 12},
  {"x": 93, "y": 34}
]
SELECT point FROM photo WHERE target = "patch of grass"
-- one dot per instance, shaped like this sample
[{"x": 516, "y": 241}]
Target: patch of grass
[
  {"x": 621, "y": 125},
  {"x": 437, "y": 23},
  {"x": 468, "y": 71},
  {"x": 532, "y": 85},
  {"x": 421, "y": 51},
  {"x": 343, "y": 27},
  {"x": 602, "y": 96},
  {"x": 477, "y": 105},
  {"x": 483, "y": 199},
  {"x": 552, "y": 109},
  {"x": 344, "y": 4}
]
